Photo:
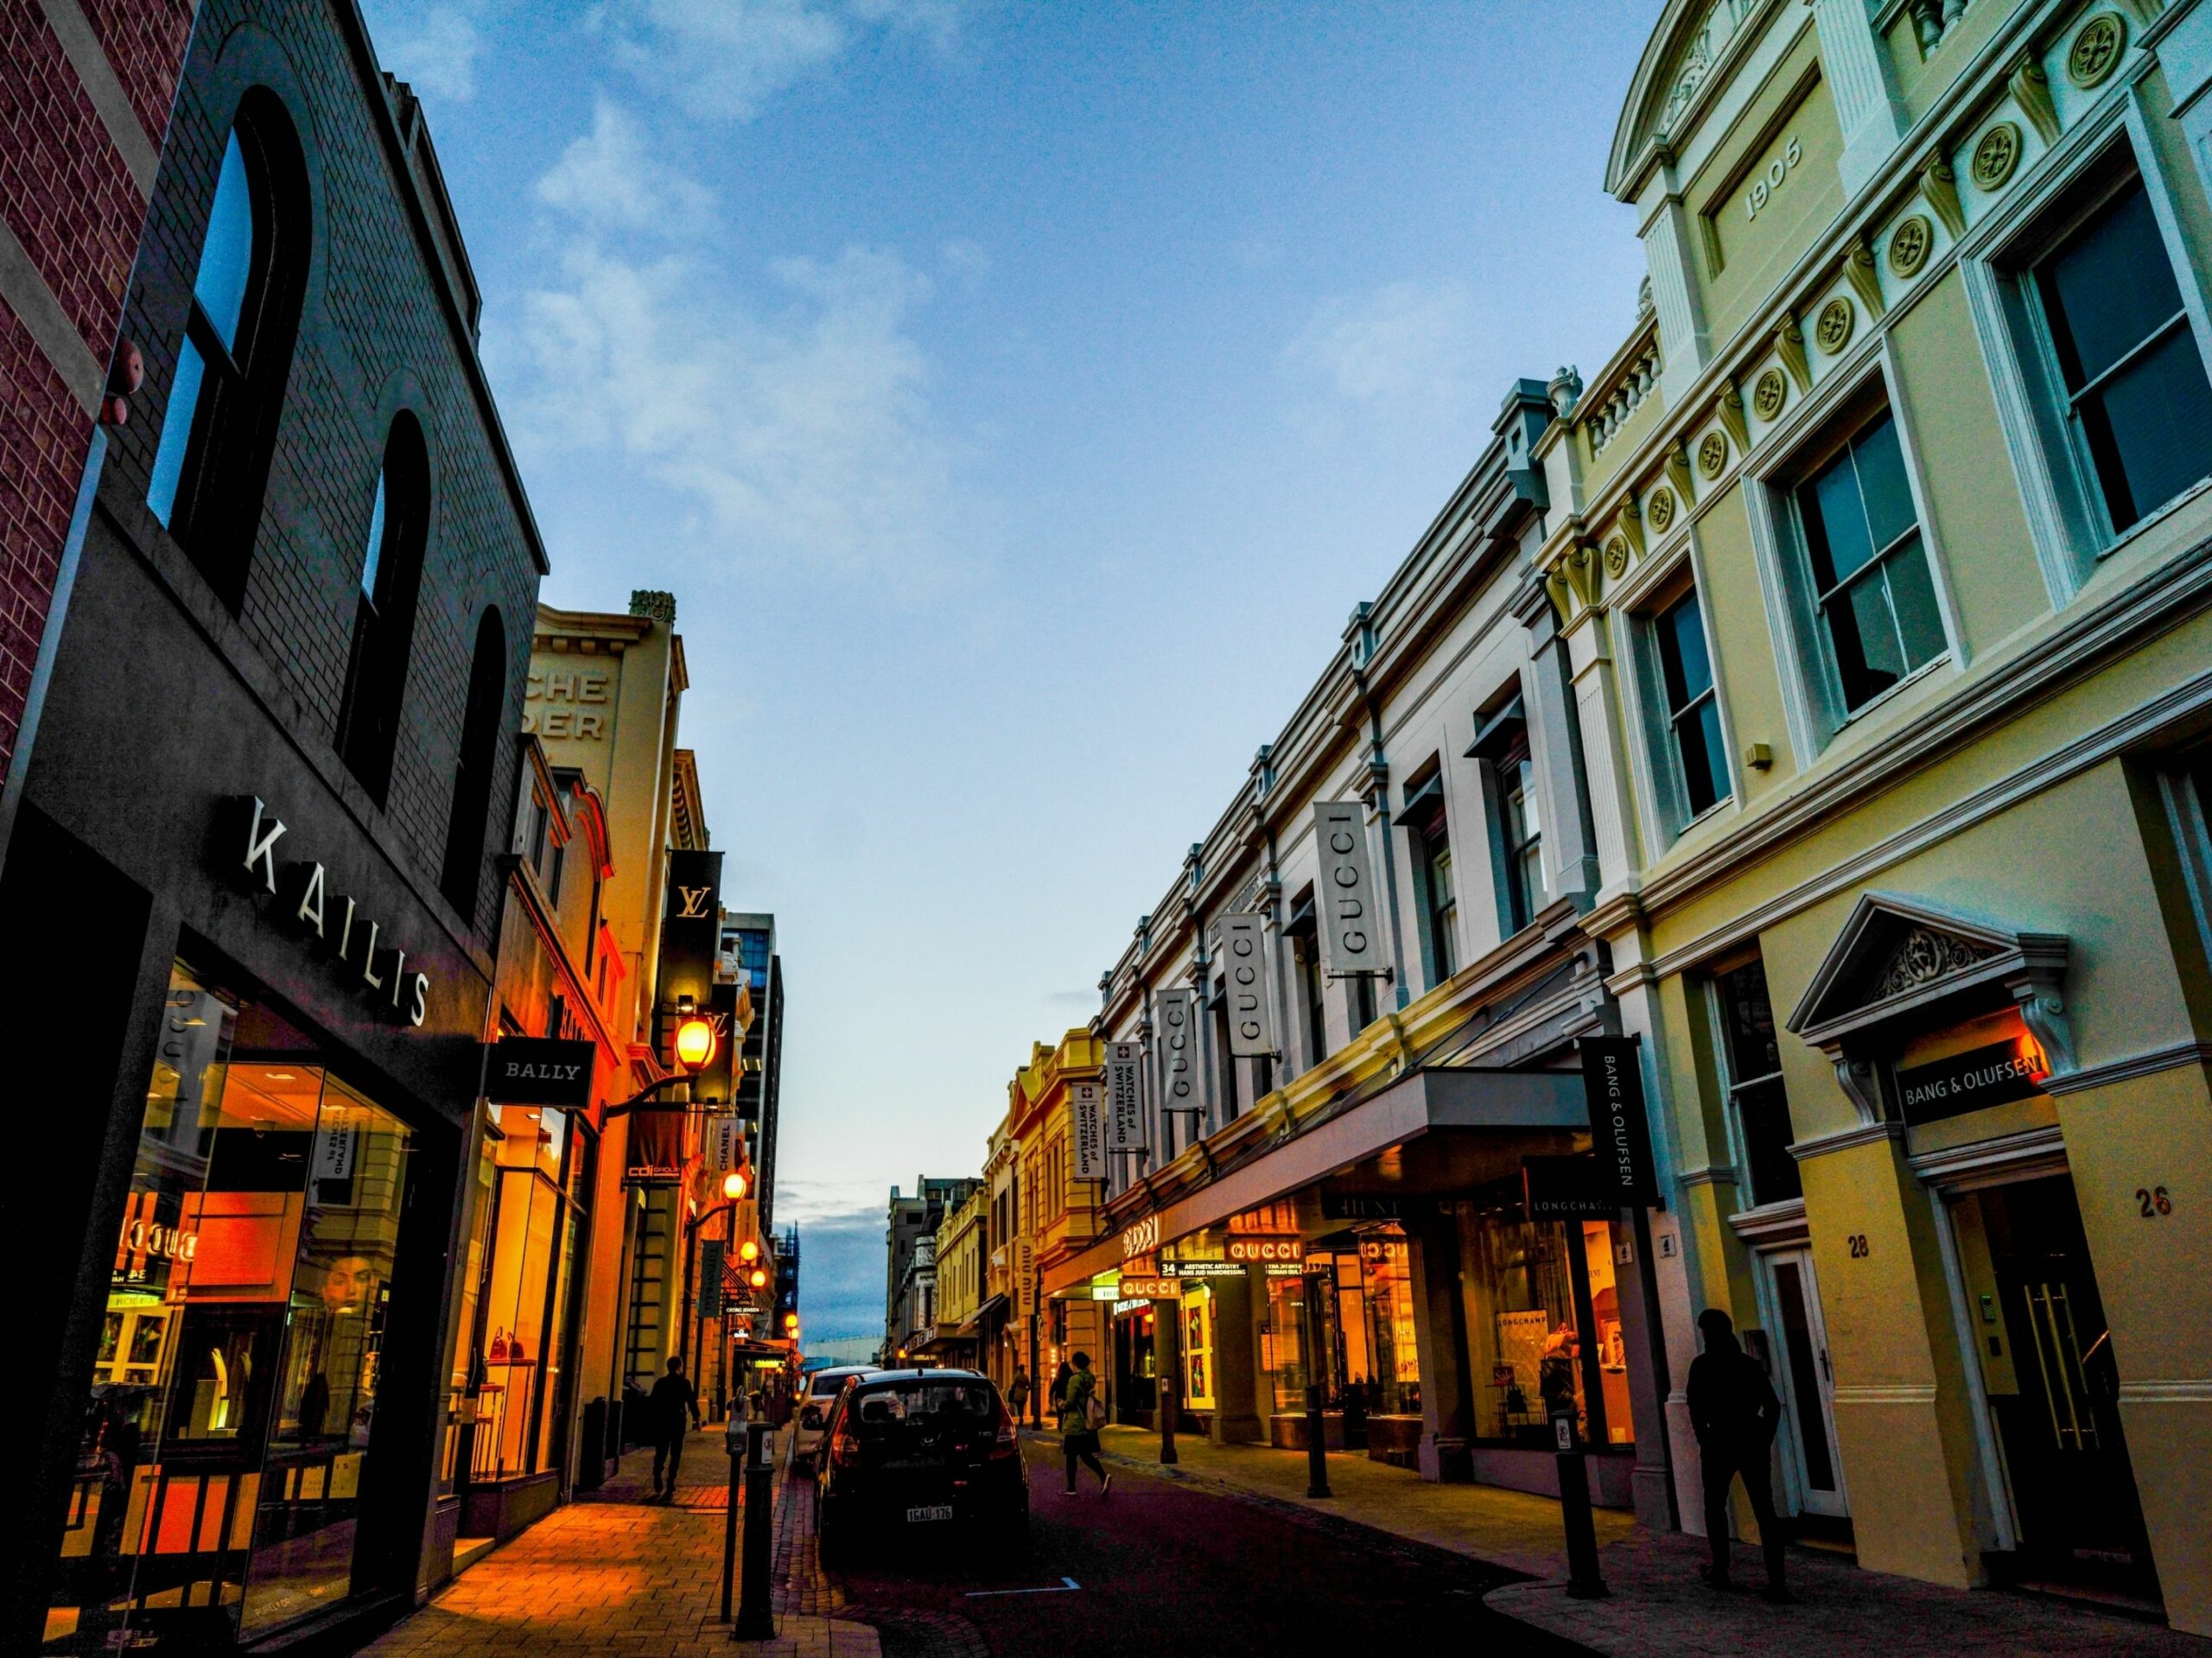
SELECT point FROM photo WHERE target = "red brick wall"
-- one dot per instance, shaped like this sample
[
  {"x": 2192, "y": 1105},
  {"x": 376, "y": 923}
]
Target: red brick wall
[{"x": 67, "y": 197}]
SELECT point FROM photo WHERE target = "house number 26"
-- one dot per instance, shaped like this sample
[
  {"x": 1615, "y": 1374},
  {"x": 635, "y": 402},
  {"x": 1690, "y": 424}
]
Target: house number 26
[
  {"x": 2150, "y": 1202},
  {"x": 1770, "y": 180}
]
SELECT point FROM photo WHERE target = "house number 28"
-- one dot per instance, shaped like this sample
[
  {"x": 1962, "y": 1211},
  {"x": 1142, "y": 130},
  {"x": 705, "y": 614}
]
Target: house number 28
[
  {"x": 1859, "y": 1250},
  {"x": 1770, "y": 180},
  {"x": 2150, "y": 1202}
]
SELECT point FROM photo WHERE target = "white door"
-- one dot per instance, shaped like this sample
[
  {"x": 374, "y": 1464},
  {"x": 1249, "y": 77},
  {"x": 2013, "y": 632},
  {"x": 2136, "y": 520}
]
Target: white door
[{"x": 1806, "y": 1383}]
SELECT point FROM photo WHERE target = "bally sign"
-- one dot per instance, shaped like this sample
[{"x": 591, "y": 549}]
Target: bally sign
[
  {"x": 539, "y": 1070},
  {"x": 1349, "y": 944},
  {"x": 1613, "y": 1082},
  {"x": 1251, "y": 1032}
]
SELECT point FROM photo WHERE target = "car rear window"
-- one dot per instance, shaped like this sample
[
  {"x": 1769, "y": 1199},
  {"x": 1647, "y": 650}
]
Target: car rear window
[
  {"x": 829, "y": 1384},
  {"x": 879, "y": 1410}
]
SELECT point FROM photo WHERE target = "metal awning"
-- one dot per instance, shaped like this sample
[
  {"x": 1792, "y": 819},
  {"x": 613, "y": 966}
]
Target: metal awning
[{"x": 1455, "y": 1097}]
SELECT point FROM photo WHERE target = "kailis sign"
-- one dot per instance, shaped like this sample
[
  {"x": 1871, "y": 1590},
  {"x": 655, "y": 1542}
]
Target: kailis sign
[{"x": 307, "y": 901}]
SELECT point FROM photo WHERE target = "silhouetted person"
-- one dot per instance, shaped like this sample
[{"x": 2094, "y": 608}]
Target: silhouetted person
[
  {"x": 1735, "y": 1414},
  {"x": 1081, "y": 1417},
  {"x": 672, "y": 1400}
]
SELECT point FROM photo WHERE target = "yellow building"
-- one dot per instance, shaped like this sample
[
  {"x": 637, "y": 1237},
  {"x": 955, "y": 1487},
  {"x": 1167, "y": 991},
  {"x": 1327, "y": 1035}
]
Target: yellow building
[
  {"x": 1057, "y": 1214},
  {"x": 961, "y": 1257},
  {"x": 1882, "y": 549}
]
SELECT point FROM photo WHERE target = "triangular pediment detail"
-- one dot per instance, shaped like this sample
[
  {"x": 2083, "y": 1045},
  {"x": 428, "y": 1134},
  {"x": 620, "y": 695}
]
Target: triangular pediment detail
[{"x": 1895, "y": 954}]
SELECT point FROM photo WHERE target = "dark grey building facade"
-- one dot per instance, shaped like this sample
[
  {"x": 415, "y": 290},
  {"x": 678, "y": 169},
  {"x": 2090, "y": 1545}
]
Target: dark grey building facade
[{"x": 248, "y": 897}]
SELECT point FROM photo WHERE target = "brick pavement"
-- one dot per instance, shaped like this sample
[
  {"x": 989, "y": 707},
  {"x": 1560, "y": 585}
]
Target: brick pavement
[
  {"x": 615, "y": 1575},
  {"x": 1658, "y": 1608}
]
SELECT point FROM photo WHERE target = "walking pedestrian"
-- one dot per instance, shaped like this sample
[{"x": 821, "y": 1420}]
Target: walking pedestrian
[
  {"x": 1059, "y": 1390},
  {"x": 1082, "y": 1414},
  {"x": 673, "y": 1400},
  {"x": 1735, "y": 1414},
  {"x": 1017, "y": 1392}
]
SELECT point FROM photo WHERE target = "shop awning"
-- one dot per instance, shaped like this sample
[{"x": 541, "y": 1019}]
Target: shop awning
[{"x": 1457, "y": 1098}]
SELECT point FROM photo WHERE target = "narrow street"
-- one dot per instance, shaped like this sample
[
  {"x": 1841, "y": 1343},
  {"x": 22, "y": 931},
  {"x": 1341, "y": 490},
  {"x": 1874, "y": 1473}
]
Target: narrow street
[{"x": 1139, "y": 1571}]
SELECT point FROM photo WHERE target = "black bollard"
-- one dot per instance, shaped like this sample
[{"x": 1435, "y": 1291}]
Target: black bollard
[
  {"x": 1167, "y": 1422},
  {"x": 755, "y": 1617},
  {"x": 1583, "y": 1580},
  {"x": 733, "y": 1442},
  {"x": 1317, "y": 1445}
]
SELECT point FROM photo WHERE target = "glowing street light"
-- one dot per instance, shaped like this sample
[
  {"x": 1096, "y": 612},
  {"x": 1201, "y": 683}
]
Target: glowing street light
[{"x": 733, "y": 1186}]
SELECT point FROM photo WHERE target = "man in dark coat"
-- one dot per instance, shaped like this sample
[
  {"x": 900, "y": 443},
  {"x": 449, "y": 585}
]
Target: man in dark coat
[
  {"x": 1735, "y": 1414},
  {"x": 673, "y": 1400}
]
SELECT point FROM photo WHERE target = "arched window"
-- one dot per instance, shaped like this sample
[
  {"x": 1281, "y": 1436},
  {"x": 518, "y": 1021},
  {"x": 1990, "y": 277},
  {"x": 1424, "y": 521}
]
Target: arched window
[
  {"x": 211, "y": 466},
  {"x": 383, "y": 612},
  {"x": 471, "y": 780}
]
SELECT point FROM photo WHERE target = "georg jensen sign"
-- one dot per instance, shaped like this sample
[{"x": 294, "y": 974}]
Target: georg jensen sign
[{"x": 335, "y": 920}]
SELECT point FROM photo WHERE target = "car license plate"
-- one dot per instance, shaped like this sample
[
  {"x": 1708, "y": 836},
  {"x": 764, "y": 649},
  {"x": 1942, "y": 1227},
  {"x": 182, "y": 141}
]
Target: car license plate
[{"x": 931, "y": 1511}]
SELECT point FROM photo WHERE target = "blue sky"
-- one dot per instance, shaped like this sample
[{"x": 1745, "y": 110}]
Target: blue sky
[{"x": 1018, "y": 398}]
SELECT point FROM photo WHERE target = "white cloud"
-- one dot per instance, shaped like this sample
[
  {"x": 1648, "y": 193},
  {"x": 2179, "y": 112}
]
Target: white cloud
[
  {"x": 798, "y": 433},
  {"x": 609, "y": 178},
  {"x": 435, "y": 48},
  {"x": 1405, "y": 343},
  {"x": 725, "y": 59}
]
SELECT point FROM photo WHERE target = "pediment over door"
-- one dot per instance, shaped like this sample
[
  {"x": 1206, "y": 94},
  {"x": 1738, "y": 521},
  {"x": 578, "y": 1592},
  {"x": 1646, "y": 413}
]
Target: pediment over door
[{"x": 1897, "y": 958}]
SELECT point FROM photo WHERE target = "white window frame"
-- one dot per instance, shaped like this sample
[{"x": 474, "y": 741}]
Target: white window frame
[
  {"x": 2067, "y": 518},
  {"x": 1812, "y": 686},
  {"x": 1663, "y": 803}
]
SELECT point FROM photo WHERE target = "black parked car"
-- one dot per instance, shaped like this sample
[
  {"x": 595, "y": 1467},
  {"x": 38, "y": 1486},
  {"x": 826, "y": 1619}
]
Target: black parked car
[{"x": 920, "y": 1453}]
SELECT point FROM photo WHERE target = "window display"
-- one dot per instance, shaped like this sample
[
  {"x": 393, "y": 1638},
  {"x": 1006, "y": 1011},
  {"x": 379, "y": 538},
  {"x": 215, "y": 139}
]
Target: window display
[
  {"x": 231, "y": 1422},
  {"x": 1547, "y": 1334},
  {"x": 1367, "y": 1329}
]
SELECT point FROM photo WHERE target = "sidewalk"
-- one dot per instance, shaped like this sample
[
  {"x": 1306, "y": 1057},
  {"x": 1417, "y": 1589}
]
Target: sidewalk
[
  {"x": 1658, "y": 1608},
  {"x": 614, "y": 1574}
]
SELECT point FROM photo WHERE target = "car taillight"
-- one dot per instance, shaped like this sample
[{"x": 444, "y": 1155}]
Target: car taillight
[
  {"x": 1007, "y": 1443},
  {"x": 845, "y": 1451}
]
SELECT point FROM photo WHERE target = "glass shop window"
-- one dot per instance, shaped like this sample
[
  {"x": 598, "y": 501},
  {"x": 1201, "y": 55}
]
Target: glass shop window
[
  {"x": 1698, "y": 760},
  {"x": 230, "y": 1428},
  {"x": 1548, "y": 1336}
]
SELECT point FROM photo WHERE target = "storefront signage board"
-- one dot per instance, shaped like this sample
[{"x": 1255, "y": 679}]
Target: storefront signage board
[
  {"x": 1973, "y": 1081},
  {"x": 1025, "y": 1275},
  {"x": 1125, "y": 1097},
  {"x": 1087, "y": 1128},
  {"x": 1203, "y": 1268},
  {"x": 1140, "y": 1237},
  {"x": 1351, "y": 945},
  {"x": 310, "y": 904},
  {"x": 725, "y": 1145},
  {"x": 1612, "y": 1080},
  {"x": 1244, "y": 953},
  {"x": 539, "y": 1070},
  {"x": 1150, "y": 1289},
  {"x": 1568, "y": 1189},
  {"x": 1177, "y": 1075},
  {"x": 1266, "y": 1249},
  {"x": 1378, "y": 1206},
  {"x": 710, "y": 1277}
]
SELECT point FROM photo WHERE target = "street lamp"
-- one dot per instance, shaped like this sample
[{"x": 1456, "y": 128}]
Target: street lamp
[
  {"x": 695, "y": 1043},
  {"x": 748, "y": 1252},
  {"x": 733, "y": 1188}
]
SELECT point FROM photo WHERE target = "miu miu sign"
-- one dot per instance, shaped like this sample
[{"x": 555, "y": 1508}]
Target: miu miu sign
[{"x": 332, "y": 919}]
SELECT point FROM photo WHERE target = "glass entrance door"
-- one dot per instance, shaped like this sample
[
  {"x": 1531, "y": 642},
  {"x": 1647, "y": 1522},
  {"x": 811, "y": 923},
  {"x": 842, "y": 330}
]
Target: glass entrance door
[
  {"x": 1806, "y": 1383},
  {"x": 2053, "y": 1386}
]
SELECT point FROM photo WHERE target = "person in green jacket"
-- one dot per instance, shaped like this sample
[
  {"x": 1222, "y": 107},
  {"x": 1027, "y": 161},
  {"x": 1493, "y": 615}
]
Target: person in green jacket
[{"x": 1082, "y": 1414}]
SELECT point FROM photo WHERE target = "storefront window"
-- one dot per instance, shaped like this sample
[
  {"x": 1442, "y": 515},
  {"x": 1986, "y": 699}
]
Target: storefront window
[
  {"x": 1197, "y": 1351},
  {"x": 1366, "y": 1317},
  {"x": 520, "y": 1321},
  {"x": 1393, "y": 1374},
  {"x": 1542, "y": 1342},
  {"x": 229, "y": 1430}
]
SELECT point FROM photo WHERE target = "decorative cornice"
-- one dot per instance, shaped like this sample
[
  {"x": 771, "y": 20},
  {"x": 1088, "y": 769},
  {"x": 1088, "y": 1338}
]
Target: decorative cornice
[
  {"x": 1847, "y": 1139},
  {"x": 2147, "y": 1063}
]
